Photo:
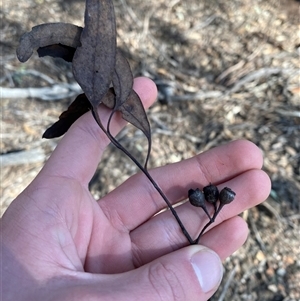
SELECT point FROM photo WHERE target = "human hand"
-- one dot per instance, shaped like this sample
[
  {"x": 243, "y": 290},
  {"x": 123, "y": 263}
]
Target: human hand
[{"x": 58, "y": 243}]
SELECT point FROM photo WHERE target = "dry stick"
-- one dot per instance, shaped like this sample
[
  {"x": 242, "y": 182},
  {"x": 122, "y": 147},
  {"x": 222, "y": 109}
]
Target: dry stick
[
  {"x": 255, "y": 75},
  {"x": 227, "y": 284},
  {"x": 145, "y": 171},
  {"x": 238, "y": 66},
  {"x": 55, "y": 92},
  {"x": 23, "y": 157},
  {"x": 257, "y": 234}
]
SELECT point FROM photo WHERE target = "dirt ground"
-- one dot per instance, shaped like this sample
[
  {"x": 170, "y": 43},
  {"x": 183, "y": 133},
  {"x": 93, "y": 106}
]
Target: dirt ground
[{"x": 225, "y": 70}]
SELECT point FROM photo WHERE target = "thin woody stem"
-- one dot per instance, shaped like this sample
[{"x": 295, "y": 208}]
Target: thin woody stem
[
  {"x": 211, "y": 220},
  {"x": 145, "y": 171}
]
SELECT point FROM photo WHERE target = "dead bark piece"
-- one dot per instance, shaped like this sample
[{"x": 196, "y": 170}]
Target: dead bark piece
[
  {"x": 77, "y": 108},
  {"x": 48, "y": 34}
]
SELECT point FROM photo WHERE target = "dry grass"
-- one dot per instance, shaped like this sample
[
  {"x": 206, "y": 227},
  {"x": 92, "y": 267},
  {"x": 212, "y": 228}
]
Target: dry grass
[{"x": 226, "y": 69}]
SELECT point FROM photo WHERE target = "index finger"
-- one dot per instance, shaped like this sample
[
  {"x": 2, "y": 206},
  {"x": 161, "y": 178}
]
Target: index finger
[{"x": 80, "y": 150}]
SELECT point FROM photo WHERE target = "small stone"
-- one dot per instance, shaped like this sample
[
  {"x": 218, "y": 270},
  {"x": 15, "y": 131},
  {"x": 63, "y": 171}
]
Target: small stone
[
  {"x": 260, "y": 256},
  {"x": 281, "y": 272},
  {"x": 273, "y": 288}
]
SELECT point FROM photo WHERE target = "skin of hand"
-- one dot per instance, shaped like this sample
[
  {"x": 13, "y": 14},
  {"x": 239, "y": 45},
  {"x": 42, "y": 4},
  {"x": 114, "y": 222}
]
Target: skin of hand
[{"x": 58, "y": 243}]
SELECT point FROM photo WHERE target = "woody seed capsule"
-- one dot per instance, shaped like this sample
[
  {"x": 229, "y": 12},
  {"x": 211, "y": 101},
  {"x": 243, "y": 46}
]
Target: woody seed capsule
[
  {"x": 211, "y": 193},
  {"x": 226, "y": 196},
  {"x": 196, "y": 197}
]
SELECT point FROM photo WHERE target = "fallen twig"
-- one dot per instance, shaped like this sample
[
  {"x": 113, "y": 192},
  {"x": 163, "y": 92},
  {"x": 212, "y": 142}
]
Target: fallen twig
[
  {"x": 23, "y": 157},
  {"x": 255, "y": 75},
  {"x": 257, "y": 234},
  {"x": 54, "y": 92}
]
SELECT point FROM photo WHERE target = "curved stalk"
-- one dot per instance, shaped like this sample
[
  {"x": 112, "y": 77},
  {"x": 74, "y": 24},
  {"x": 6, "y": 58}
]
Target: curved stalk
[{"x": 147, "y": 174}]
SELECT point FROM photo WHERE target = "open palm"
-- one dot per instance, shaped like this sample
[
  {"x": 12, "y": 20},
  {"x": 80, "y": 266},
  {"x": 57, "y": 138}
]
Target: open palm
[{"x": 58, "y": 243}]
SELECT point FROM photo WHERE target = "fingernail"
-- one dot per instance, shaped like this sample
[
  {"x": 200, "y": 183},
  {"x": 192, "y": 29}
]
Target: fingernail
[{"x": 208, "y": 268}]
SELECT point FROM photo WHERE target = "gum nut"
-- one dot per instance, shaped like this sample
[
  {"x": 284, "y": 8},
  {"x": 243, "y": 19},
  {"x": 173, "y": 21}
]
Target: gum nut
[
  {"x": 226, "y": 195},
  {"x": 196, "y": 197},
  {"x": 211, "y": 193}
]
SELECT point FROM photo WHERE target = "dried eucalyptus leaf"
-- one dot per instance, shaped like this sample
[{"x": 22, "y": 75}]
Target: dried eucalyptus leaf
[
  {"x": 76, "y": 109},
  {"x": 94, "y": 61},
  {"x": 122, "y": 79},
  {"x": 133, "y": 111},
  {"x": 48, "y": 34}
]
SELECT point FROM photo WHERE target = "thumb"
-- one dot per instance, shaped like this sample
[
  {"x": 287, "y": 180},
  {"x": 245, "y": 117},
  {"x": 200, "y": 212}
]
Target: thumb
[{"x": 191, "y": 273}]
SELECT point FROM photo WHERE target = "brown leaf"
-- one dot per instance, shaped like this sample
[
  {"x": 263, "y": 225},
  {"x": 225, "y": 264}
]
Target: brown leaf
[
  {"x": 77, "y": 108},
  {"x": 94, "y": 60},
  {"x": 133, "y": 111},
  {"x": 127, "y": 101},
  {"x": 48, "y": 34},
  {"x": 122, "y": 80}
]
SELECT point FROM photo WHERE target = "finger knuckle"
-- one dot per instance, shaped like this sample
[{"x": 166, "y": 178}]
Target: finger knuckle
[{"x": 165, "y": 282}]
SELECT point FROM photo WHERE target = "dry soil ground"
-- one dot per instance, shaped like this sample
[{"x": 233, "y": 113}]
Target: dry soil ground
[{"x": 225, "y": 70}]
